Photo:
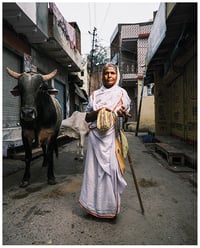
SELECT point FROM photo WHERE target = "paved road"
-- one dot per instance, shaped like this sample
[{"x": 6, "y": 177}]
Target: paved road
[{"x": 50, "y": 215}]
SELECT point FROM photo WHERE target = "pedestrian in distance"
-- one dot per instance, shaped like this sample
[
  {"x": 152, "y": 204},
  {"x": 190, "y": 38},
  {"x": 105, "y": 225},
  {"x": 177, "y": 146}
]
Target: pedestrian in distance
[{"x": 103, "y": 181}]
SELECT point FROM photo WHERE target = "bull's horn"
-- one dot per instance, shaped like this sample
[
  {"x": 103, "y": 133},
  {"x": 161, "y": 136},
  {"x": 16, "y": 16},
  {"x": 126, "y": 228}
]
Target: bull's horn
[
  {"x": 13, "y": 73},
  {"x": 49, "y": 76}
]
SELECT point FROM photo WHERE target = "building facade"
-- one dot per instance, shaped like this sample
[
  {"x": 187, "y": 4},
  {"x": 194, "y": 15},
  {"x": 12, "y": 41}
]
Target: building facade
[
  {"x": 128, "y": 50},
  {"x": 172, "y": 66},
  {"x": 36, "y": 35}
]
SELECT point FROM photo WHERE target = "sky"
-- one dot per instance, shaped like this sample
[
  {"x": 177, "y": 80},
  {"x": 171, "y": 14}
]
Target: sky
[{"x": 104, "y": 17}]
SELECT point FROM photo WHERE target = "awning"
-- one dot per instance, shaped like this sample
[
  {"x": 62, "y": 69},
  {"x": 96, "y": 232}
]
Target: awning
[
  {"x": 79, "y": 92},
  {"x": 171, "y": 38},
  {"x": 158, "y": 33}
]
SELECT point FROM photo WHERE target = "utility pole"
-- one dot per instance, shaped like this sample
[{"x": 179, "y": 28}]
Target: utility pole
[
  {"x": 141, "y": 96},
  {"x": 92, "y": 56},
  {"x": 139, "y": 112}
]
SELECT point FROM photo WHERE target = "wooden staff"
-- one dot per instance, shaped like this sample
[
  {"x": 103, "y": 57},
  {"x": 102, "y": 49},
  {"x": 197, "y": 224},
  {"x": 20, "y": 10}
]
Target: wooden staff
[
  {"x": 135, "y": 181},
  {"x": 131, "y": 164}
]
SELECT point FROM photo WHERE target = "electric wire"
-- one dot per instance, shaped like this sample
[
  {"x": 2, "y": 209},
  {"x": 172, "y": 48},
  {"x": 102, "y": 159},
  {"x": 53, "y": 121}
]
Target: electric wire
[
  {"x": 95, "y": 15},
  {"x": 122, "y": 47},
  {"x": 106, "y": 14},
  {"x": 106, "y": 41},
  {"x": 89, "y": 17}
]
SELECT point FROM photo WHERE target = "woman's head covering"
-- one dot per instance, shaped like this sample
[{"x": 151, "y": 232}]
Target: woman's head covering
[
  {"x": 110, "y": 64},
  {"x": 109, "y": 97}
]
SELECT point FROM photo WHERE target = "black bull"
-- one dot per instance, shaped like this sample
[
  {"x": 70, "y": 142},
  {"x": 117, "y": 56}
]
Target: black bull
[{"x": 40, "y": 119}]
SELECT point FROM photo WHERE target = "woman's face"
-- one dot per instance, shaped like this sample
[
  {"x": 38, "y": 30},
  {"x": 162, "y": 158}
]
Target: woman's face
[{"x": 109, "y": 76}]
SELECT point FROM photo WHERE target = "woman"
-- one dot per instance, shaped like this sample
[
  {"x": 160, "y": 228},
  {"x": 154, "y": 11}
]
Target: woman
[{"x": 103, "y": 181}]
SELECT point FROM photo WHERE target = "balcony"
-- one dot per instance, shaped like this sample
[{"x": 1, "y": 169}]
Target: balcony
[
  {"x": 42, "y": 28},
  {"x": 24, "y": 18},
  {"x": 62, "y": 43},
  {"x": 129, "y": 71}
]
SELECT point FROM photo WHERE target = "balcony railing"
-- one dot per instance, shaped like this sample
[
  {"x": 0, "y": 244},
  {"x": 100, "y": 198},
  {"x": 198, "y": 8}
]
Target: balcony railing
[
  {"x": 68, "y": 30},
  {"x": 62, "y": 43},
  {"x": 129, "y": 68}
]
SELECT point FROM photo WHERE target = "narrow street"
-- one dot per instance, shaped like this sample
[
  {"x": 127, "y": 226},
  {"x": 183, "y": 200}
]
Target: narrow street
[{"x": 50, "y": 215}]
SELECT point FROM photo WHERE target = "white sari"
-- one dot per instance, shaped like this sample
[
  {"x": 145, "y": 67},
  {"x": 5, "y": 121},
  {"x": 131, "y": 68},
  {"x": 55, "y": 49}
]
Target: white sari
[{"x": 102, "y": 180}]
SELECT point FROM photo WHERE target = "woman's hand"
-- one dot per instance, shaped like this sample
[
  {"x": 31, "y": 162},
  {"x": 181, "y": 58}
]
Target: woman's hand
[
  {"x": 92, "y": 116},
  {"x": 122, "y": 112}
]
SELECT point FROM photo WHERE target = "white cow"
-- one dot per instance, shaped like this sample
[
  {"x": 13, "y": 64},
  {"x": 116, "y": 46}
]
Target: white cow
[{"x": 75, "y": 126}]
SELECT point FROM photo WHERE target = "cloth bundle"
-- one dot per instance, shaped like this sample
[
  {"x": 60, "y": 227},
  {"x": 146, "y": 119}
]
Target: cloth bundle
[
  {"x": 121, "y": 149},
  {"x": 105, "y": 120},
  {"x": 124, "y": 143}
]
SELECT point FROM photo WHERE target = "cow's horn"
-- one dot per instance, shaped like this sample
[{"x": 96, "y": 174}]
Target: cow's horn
[
  {"x": 49, "y": 76},
  {"x": 13, "y": 73}
]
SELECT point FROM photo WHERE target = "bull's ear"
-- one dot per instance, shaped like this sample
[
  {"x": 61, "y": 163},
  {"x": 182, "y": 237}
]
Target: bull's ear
[
  {"x": 15, "y": 91},
  {"x": 44, "y": 86}
]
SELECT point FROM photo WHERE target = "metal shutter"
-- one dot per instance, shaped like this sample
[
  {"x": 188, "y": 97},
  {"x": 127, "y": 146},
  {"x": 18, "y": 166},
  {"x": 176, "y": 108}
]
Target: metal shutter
[{"x": 10, "y": 103}]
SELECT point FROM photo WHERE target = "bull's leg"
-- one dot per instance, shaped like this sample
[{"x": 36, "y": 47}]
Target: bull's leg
[
  {"x": 82, "y": 141},
  {"x": 50, "y": 170},
  {"x": 44, "y": 149},
  {"x": 77, "y": 149},
  {"x": 28, "y": 157}
]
